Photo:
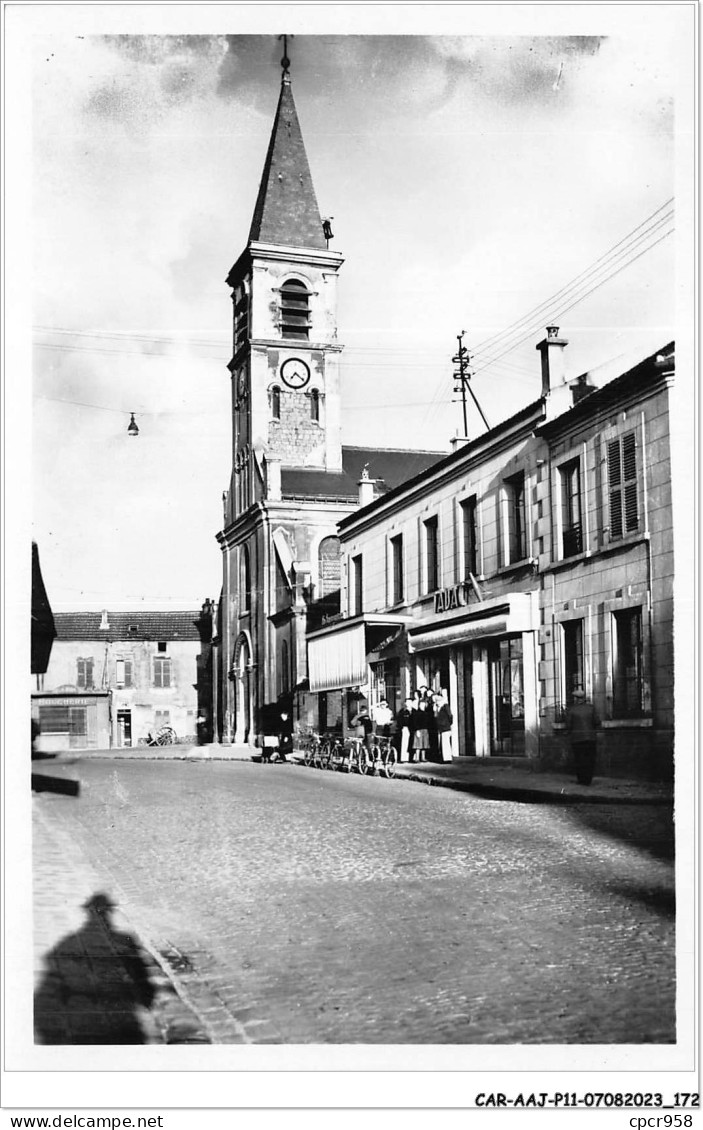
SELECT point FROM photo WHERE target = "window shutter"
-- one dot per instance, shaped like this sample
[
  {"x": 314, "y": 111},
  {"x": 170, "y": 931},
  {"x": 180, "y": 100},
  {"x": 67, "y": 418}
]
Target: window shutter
[
  {"x": 615, "y": 489},
  {"x": 629, "y": 464},
  {"x": 128, "y": 672}
]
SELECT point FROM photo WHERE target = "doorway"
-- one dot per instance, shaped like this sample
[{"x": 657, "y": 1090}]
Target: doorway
[
  {"x": 124, "y": 728},
  {"x": 468, "y": 698},
  {"x": 507, "y": 697}
]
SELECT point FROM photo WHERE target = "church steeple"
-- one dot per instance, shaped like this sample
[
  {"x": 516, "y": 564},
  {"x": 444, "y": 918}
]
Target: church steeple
[{"x": 286, "y": 211}]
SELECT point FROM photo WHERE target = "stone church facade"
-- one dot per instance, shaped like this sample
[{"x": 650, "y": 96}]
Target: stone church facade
[{"x": 292, "y": 477}]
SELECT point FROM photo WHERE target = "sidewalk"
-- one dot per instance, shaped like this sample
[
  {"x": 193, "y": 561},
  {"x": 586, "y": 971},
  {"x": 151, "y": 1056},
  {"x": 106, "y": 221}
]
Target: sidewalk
[
  {"x": 494, "y": 778},
  {"x": 488, "y": 778}
]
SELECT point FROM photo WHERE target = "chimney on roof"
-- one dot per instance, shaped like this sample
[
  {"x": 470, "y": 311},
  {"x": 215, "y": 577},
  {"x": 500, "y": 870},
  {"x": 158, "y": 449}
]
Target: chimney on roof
[
  {"x": 365, "y": 487},
  {"x": 553, "y": 366},
  {"x": 104, "y": 623}
]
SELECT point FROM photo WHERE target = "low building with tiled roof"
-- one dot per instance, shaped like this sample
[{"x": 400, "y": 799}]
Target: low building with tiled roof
[{"x": 115, "y": 677}]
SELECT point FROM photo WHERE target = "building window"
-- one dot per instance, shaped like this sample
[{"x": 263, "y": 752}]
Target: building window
[
  {"x": 315, "y": 405},
  {"x": 329, "y": 566},
  {"x": 357, "y": 586},
  {"x": 162, "y": 646},
  {"x": 570, "y": 481},
  {"x": 622, "y": 485},
  {"x": 162, "y": 672},
  {"x": 123, "y": 672},
  {"x": 469, "y": 537},
  {"x": 84, "y": 677},
  {"x": 627, "y": 663},
  {"x": 398, "y": 567},
  {"x": 161, "y": 718},
  {"x": 572, "y": 640},
  {"x": 244, "y": 579},
  {"x": 285, "y": 669},
  {"x": 275, "y": 402},
  {"x": 515, "y": 494},
  {"x": 431, "y": 554},
  {"x": 295, "y": 310}
]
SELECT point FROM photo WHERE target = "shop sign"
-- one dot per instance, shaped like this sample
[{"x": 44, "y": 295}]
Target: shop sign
[
  {"x": 455, "y": 597},
  {"x": 66, "y": 701}
]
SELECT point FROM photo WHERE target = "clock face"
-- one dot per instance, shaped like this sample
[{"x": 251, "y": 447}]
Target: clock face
[{"x": 295, "y": 373}]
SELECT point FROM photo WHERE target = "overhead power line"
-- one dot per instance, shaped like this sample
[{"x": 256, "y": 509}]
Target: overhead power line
[
  {"x": 599, "y": 273},
  {"x": 482, "y": 346}
]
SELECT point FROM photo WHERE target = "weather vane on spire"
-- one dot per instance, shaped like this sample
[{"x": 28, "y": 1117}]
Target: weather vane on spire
[{"x": 285, "y": 61}]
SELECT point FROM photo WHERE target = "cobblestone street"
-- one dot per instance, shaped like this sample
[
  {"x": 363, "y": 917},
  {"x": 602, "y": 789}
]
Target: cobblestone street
[{"x": 278, "y": 904}]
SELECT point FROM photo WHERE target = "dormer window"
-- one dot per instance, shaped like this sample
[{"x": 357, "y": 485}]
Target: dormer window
[{"x": 295, "y": 310}]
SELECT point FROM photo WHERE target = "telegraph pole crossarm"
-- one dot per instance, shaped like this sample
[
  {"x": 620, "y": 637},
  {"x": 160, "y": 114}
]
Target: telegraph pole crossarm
[{"x": 463, "y": 376}]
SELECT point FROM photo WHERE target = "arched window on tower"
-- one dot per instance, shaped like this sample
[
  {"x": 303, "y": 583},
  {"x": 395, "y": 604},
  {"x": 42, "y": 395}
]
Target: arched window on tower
[
  {"x": 295, "y": 310},
  {"x": 240, "y": 298},
  {"x": 244, "y": 579},
  {"x": 315, "y": 405},
  {"x": 275, "y": 402},
  {"x": 329, "y": 566}
]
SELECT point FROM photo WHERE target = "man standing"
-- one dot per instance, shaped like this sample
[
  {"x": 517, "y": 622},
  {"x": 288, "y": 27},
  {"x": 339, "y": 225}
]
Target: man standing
[
  {"x": 581, "y": 724},
  {"x": 443, "y": 721}
]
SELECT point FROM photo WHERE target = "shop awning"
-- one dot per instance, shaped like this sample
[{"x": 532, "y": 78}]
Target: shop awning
[
  {"x": 459, "y": 633},
  {"x": 337, "y": 654},
  {"x": 337, "y": 660},
  {"x": 513, "y": 614}
]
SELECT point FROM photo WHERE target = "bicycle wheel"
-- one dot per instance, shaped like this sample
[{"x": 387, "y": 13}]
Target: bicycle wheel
[
  {"x": 389, "y": 759},
  {"x": 364, "y": 763},
  {"x": 308, "y": 754},
  {"x": 328, "y": 758}
]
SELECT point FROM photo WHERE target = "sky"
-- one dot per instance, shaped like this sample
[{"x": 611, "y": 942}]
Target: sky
[{"x": 474, "y": 168}]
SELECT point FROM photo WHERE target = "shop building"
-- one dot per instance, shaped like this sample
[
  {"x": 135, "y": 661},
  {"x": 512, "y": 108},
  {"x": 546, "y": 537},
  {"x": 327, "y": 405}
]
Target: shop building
[{"x": 530, "y": 560}]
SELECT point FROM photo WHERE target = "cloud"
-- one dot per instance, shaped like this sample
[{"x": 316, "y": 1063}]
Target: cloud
[
  {"x": 152, "y": 74},
  {"x": 515, "y": 68}
]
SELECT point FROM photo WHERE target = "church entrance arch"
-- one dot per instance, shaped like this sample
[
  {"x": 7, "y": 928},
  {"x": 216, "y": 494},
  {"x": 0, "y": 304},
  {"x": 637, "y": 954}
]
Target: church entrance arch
[{"x": 242, "y": 688}]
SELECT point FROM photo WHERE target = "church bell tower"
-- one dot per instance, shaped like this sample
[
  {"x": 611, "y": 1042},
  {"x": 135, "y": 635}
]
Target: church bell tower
[{"x": 285, "y": 359}]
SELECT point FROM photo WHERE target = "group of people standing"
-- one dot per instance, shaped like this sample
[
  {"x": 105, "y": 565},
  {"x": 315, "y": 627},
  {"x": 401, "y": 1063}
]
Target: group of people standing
[{"x": 421, "y": 729}]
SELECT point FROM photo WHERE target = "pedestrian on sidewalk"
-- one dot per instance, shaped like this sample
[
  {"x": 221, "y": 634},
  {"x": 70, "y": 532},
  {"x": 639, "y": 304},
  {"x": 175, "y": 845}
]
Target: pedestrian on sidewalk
[
  {"x": 383, "y": 718},
  {"x": 285, "y": 736},
  {"x": 363, "y": 725},
  {"x": 444, "y": 720},
  {"x": 404, "y": 722},
  {"x": 421, "y": 725},
  {"x": 582, "y": 723}
]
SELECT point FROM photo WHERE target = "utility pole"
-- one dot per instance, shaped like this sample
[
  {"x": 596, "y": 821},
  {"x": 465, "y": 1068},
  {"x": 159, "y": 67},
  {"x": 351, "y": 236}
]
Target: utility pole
[{"x": 463, "y": 375}]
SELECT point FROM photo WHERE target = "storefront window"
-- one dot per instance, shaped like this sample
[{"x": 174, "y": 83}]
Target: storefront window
[{"x": 385, "y": 683}]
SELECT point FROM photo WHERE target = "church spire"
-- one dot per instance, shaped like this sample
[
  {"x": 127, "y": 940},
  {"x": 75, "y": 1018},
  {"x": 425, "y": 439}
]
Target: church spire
[{"x": 286, "y": 209}]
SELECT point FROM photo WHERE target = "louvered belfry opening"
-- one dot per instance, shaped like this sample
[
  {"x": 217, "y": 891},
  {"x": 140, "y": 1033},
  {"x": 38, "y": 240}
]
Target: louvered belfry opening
[{"x": 295, "y": 310}]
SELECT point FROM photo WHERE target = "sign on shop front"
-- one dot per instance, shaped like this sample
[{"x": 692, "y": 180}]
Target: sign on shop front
[{"x": 455, "y": 597}]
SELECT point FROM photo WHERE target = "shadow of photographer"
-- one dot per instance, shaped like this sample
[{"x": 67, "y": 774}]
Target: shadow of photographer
[{"x": 96, "y": 987}]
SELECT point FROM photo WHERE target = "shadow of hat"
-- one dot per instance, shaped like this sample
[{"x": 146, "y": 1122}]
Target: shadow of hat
[{"x": 100, "y": 903}]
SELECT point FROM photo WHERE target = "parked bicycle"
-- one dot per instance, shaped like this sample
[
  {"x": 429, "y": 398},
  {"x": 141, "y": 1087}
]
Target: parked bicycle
[{"x": 380, "y": 758}]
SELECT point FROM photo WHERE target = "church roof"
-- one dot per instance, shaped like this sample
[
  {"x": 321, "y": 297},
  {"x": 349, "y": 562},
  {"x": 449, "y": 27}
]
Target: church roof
[
  {"x": 387, "y": 467},
  {"x": 286, "y": 209}
]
